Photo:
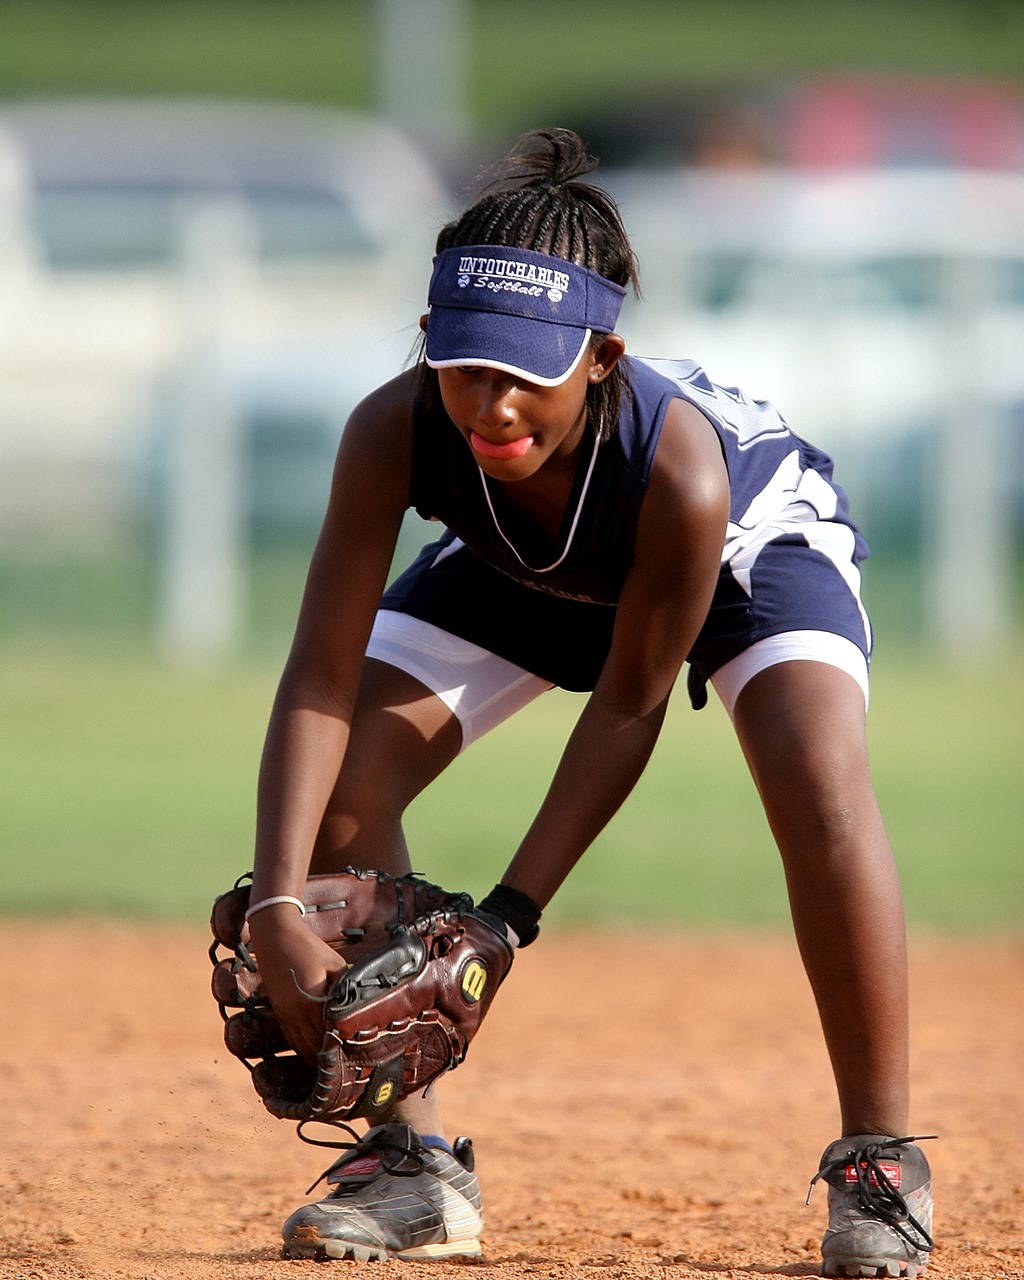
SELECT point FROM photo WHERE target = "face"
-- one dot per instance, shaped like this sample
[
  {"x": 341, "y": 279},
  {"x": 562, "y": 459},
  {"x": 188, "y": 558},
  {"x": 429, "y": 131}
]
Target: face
[{"x": 515, "y": 427}]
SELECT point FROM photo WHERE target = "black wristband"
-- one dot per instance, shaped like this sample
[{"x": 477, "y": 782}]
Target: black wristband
[{"x": 520, "y": 913}]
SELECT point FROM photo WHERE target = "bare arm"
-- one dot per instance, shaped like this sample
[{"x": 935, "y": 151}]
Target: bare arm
[
  {"x": 662, "y": 608},
  {"x": 309, "y": 724}
]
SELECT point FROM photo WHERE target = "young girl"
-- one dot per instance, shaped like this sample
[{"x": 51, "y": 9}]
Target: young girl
[{"x": 607, "y": 519}]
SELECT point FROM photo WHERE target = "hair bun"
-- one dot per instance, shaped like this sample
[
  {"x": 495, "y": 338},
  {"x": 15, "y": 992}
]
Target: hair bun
[
  {"x": 539, "y": 197},
  {"x": 545, "y": 158}
]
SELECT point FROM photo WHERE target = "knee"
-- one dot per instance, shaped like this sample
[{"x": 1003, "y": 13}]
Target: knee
[
  {"x": 361, "y": 827},
  {"x": 824, "y": 819},
  {"x": 823, "y": 807},
  {"x": 365, "y": 797}
]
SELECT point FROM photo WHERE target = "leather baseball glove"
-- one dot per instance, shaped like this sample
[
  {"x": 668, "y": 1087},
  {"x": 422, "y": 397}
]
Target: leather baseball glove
[{"x": 423, "y": 967}]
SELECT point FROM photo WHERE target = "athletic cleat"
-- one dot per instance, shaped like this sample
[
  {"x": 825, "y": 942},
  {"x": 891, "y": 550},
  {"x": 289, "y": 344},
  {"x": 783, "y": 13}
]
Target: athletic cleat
[
  {"x": 393, "y": 1197},
  {"x": 879, "y": 1207}
]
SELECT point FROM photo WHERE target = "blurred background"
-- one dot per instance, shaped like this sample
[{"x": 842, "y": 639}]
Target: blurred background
[{"x": 216, "y": 222}]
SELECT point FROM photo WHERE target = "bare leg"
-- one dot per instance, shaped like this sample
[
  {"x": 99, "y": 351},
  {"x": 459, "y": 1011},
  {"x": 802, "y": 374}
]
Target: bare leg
[
  {"x": 802, "y": 729},
  {"x": 402, "y": 738}
]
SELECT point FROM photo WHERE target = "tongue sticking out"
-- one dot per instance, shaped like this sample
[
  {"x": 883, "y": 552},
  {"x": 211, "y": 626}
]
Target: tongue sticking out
[{"x": 513, "y": 449}]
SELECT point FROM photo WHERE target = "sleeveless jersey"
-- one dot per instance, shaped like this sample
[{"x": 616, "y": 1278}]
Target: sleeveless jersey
[{"x": 782, "y": 495}]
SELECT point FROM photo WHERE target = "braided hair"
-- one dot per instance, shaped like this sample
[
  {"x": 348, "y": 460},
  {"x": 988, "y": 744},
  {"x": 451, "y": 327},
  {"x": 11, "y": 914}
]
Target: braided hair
[{"x": 537, "y": 198}]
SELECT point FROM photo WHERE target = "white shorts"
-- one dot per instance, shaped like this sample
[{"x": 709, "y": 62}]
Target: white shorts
[{"x": 482, "y": 690}]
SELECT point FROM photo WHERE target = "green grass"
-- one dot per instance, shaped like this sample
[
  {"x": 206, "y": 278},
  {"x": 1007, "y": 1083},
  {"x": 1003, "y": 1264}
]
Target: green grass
[
  {"x": 529, "y": 60},
  {"x": 128, "y": 785},
  {"x": 948, "y": 746}
]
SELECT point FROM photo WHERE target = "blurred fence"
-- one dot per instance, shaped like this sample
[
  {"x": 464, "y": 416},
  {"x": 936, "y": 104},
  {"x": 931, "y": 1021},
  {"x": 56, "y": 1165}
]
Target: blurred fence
[
  {"x": 883, "y": 311},
  {"x": 193, "y": 297},
  {"x": 192, "y": 300}
]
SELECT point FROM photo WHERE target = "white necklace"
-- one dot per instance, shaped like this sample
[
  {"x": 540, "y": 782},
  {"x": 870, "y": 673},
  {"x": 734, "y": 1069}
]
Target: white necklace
[{"x": 572, "y": 528}]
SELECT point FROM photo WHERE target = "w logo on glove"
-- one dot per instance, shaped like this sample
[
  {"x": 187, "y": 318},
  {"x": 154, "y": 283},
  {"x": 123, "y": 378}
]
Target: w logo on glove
[{"x": 422, "y": 968}]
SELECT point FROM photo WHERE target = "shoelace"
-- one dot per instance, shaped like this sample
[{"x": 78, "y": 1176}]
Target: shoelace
[
  {"x": 875, "y": 1192},
  {"x": 396, "y": 1157}
]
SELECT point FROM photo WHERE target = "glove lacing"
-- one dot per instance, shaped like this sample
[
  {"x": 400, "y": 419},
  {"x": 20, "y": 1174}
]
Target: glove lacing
[{"x": 875, "y": 1192}]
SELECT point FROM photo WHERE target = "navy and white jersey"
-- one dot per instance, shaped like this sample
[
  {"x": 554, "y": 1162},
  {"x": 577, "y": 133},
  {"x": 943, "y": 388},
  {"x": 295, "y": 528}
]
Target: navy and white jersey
[{"x": 789, "y": 562}]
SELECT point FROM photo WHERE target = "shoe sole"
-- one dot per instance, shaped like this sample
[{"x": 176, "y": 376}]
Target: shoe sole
[
  {"x": 323, "y": 1248},
  {"x": 875, "y": 1267}
]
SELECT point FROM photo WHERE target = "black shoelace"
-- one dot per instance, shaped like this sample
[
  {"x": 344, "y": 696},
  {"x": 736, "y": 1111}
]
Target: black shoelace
[
  {"x": 875, "y": 1192},
  {"x": 397, "y": 1157}
]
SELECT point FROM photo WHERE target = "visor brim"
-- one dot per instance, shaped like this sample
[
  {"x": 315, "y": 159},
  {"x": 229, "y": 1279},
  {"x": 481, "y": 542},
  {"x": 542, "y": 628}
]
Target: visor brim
[{"x": 546, "y": 354}]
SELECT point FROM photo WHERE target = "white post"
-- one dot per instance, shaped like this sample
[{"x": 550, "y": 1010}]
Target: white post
[
  {"x": 970, "y": 519},
  {"x": 202, "y": 597},
  {"x": 422, "y": 52}
]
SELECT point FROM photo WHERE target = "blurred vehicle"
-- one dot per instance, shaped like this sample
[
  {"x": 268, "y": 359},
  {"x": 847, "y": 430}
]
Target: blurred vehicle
[
  {"x": 826, "y": 122},
  {"x": 845, "y": 296},
  {"x": 194, "y": 295},
  {"x": 148, "y": 245},
  {"x": 883, "y": 312}
]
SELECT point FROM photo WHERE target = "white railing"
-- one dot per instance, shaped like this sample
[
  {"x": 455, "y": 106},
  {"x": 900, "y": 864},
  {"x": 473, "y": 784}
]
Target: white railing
[{"x": 810, "y": 318}]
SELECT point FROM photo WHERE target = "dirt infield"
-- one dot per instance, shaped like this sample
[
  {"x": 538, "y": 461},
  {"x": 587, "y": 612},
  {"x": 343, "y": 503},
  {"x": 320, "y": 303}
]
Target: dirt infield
[{"x": 614, "y": 1148}]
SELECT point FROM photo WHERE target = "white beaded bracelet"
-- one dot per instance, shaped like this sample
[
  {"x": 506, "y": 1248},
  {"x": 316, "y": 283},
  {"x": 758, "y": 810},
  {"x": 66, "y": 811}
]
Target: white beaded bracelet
[{"x": 272, "y": 902}]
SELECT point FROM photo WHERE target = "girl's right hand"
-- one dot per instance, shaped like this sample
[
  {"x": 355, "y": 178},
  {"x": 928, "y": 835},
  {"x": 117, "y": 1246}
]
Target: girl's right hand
[{"x": 295, "y": 965}]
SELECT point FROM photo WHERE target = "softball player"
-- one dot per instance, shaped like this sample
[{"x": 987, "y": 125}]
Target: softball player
[{"x": 606, "y": 520}]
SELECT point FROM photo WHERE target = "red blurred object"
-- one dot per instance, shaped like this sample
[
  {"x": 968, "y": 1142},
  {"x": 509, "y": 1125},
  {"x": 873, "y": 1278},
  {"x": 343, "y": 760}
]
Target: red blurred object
[{"x": 854, "y": 123}]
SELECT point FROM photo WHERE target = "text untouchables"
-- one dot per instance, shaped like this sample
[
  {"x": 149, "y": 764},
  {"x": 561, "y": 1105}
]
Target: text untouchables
[{"x": 510, "y": 269}]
